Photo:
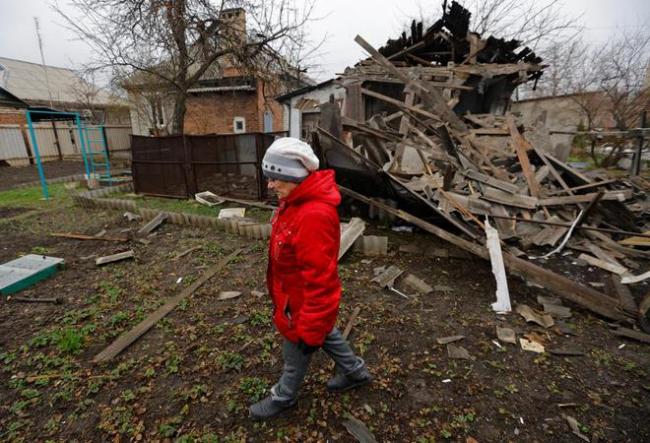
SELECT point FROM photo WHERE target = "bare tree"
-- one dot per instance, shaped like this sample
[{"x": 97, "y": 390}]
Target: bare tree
[
  {"x": 535, "y": 23},
  {"x": 176, "y": 42}
]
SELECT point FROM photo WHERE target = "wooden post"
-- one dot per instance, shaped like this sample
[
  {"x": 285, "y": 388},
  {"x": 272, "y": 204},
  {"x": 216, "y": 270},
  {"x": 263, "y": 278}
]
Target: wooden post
[
  {"x": 57, "y": 143},
  {"x": 636, "y": 164},
  {"x": 108, "y": 150},
  {"x": 28, "y": 146}
]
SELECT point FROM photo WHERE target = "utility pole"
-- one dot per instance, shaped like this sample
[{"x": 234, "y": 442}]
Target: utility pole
[
  {"x": 636, "y": 164},
  {"x": 40, "y": 47}
]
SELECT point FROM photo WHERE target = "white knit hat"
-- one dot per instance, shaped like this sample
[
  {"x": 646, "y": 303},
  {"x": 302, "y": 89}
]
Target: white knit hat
[{"x": 289, "y": 159}]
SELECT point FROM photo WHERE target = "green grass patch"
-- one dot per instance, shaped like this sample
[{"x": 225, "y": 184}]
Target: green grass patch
[{"x": 33, "y": 197}]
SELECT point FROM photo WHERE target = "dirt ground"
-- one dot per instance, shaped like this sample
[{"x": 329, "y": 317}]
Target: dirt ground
[
  {"x": 191, "y": 377},
  {"x": 12, "y": 176}
]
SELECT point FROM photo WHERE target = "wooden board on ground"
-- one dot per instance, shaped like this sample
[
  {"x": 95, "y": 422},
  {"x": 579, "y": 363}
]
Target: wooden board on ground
[
  {"x": 350, "y": 232},
  {"x": 153, "y": 224},
  {"x": 115, "y": 257}
]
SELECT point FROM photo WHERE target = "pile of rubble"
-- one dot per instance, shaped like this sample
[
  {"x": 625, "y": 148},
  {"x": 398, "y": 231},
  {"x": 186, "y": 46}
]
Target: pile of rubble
[{"x": 436, "y": 140}]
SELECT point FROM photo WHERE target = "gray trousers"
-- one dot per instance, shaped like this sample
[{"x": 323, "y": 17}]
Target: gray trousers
[{"x": 296, "y": 364}]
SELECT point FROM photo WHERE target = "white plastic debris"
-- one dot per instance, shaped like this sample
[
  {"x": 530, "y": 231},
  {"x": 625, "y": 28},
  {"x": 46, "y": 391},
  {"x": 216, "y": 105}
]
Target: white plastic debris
[
  {"x": 498, "y": 269},
  {"x": 232, "y": 212}
]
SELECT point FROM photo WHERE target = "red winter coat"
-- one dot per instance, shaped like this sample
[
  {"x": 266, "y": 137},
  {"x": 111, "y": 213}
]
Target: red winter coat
[{"x": 302, "y": 276}]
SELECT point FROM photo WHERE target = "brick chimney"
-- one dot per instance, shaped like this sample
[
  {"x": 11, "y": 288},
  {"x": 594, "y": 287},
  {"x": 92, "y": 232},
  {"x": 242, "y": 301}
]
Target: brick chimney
[{"x": 234, "y": 22}]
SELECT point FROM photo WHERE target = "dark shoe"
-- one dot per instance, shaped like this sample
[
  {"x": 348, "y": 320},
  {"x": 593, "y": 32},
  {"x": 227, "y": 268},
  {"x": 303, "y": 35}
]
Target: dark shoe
[
  {"x": 268, "y": 408},
  {"x": 343, "y": 382}
]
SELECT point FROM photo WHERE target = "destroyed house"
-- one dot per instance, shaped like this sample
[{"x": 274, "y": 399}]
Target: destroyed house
[
  {"x": 474, "y": 75},
  {"x": 426, "y": 137}
]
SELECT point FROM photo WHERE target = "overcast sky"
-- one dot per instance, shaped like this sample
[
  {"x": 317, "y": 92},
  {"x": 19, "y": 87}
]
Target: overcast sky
[{"x": 375, "y": 20}]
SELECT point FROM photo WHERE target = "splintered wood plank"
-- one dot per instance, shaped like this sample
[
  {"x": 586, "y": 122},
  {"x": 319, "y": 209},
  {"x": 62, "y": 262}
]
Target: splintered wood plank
[
  {"x": 623, "y": 294},
  {"x": 350, "y": 324},
  {"x": 350, "y": 233},
  {"x": 631, "y": 333},
  {"x": 519, "y": 201},
  {"x": 86, "y": 237},
  {"x": 636, "y": 240},
  {"x": 124, "y": 340},
  {"x": 585, "y": 198},
  {"x": 495, "y": 183},
  {"x": 616, "y": 269},
  {"x": 153, "y": 224},
  {"x": 388, "y": 277},
  {"x": 521, "y": 147},
  {"x": 115, "y": 257}
]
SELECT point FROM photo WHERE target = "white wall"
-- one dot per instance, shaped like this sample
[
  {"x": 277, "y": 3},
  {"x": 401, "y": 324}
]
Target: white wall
[{"x": 321, "y": 95}]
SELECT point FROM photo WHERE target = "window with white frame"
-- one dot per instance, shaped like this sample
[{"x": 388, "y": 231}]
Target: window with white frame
[{"x": 239, "y": 125}]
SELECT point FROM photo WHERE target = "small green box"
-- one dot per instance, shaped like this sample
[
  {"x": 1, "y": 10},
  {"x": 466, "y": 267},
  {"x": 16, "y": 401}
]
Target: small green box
[{"x": 25, "y": 271}]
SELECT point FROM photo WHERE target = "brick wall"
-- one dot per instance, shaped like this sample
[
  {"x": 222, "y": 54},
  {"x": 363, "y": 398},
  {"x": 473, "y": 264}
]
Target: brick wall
[
  {"x": 10, "y": 117},
  {"x": 214, "y": 112}
]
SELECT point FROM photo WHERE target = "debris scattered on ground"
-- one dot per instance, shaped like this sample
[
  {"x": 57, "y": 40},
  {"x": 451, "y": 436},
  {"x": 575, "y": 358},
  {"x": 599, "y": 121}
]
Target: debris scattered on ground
[
  {"x": 350, "y": 232},
  {"x": 532, "y": 346},
  {"x": 187, "y": 251},
  {"x": 87, "y": 237},
  {"x": 372, "y": 245},
  {"x": 575, "y": 428},
  {"x": 130, "y": 216},
  {"x": 152, "y": 224},
  {"x": 557, "y": 311},
  {"x": 631, "y": 333},
  {"x": 350, "y": 325},
  {"x": 566, "y": 352},
  {"x": 450, "y": 339},
  {"x": 359, "y": 430},
  {"x": 55, "y": 300},
  {"x": 498, "y": 269},
  {"x": 457, "y": 352},
  {"x": 227, "y": 295},
  {"x": 417, "y": 284},
  {"x": 530, "y": 315},
  {"x": 124, "y": 340},
  {"x": 115, "y": 257},
  {"x": 232, "y": 212},
  {"x": 386, "y": 279},
  {"x": 506, "y": 335},
  {"x": 256, "y": 293}
]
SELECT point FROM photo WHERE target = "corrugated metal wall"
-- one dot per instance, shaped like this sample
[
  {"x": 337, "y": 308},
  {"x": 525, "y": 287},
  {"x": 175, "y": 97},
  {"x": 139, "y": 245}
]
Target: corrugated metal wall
[
  {"x": 13, "y": 150},
  {"x": 12, "y": 144}
]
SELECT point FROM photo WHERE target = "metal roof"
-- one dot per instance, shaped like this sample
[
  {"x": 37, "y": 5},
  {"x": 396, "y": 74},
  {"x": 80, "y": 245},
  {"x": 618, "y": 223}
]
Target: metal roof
[
  {"x": 303, "y": 90},
  {"x": 26, "y": 81},
  {"x": 221, "y": 89},
  {"x": 8, "y": 99}
]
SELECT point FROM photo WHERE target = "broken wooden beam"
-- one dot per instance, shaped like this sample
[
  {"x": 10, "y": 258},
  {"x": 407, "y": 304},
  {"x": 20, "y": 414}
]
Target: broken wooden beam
[
  {"x": 522, "y": 147},
  {"x": 86, "y": 237},
  {"x": 55, "y": 300},
  {"x": 631, "y": 333},
  {"x": 124, "y": 340},
  {"x": 350, "y": 233},
  {"x": 153, "y": 224},
  {"x": 353, "y": 318},
  {"x": 115, "y": 257},
  {"x": 562, "y": 286}
]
